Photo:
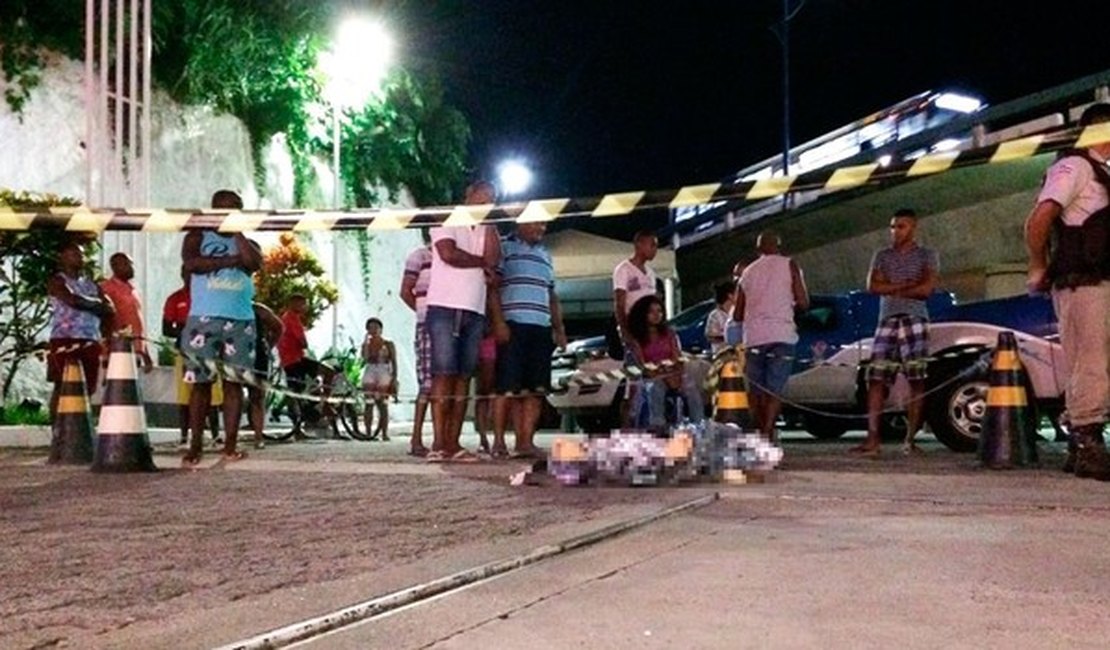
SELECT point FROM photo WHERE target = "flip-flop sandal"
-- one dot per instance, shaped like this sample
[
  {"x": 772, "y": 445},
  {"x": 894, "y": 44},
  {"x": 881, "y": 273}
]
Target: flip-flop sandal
[
  {"x": 463, "y": 456},
  {"x": 189, "y": 461},
  {"x": 499, "y": 453},
  {"x": 435, "y": 457},
  {"x": 419, "y": 452}
]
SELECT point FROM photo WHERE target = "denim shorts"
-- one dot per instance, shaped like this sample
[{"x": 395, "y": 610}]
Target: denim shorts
[
  {"x": 767, "y": 367},
  {"x": 455, "y": 335}
]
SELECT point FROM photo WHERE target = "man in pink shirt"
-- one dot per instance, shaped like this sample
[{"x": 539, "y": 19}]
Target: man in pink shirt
[
  {"x": 129, "y": 306},
  {"x": 770, "y": 290}
]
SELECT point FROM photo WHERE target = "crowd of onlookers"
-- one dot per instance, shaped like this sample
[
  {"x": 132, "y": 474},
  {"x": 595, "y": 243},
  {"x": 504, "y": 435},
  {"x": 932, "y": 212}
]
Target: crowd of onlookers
[{"x": 486, "y": 305}]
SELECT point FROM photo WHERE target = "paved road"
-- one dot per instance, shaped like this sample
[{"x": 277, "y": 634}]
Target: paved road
[{"x": 815, "y": 559}]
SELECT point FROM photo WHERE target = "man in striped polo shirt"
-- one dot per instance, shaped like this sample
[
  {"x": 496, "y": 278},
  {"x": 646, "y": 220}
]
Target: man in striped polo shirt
[
  {"x": 528, "y": 322},
  {"x": 414, "y": 293},
  {"x": 904, "y": 276}
]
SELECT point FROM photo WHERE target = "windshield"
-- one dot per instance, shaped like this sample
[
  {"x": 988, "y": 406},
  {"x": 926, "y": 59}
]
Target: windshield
[{"x": 692, "y": 315}]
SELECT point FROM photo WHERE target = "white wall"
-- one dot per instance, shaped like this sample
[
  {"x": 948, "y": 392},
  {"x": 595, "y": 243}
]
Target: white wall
[{"x": 196, "y": 152}]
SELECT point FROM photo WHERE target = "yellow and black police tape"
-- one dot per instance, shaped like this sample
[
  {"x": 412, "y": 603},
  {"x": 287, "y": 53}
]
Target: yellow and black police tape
[
  {"x": 83, "y": 219},
  {"x": 250, "y": 377},
  {"x": 354, "y": 396}
]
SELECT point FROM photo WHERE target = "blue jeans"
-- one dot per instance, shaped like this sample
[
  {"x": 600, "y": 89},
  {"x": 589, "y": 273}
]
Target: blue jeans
[
  {"x": 454, "y": 334},
  {"x": 649, "y": 406},
  {"x": 767, "y": 367}
]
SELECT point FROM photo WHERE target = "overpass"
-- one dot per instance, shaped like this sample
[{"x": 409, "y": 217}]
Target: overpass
[{"x": 973, "y": 216}]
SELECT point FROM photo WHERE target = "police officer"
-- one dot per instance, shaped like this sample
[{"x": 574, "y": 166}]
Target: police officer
[{"x": 1074, "y": 206}]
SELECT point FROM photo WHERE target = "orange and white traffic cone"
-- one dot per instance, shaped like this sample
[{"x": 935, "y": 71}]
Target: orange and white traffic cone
[
  {"x": 71, "y": 440},
  {"x": 1008, "y": 438},
  {"x": 122, "y": 444}
]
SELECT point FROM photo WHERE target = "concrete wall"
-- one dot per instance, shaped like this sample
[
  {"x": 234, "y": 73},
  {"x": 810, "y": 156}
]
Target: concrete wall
[
  {"x": 970, "y": 240},
  {"x": 196, "y": 151},
  {"x": 973, "y": 217}
]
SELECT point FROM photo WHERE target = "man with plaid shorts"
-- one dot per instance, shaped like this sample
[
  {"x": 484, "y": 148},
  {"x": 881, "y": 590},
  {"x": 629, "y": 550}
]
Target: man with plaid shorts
[
  {"x": 904, "y": 276},
  {"x": 414, "y": 292}
]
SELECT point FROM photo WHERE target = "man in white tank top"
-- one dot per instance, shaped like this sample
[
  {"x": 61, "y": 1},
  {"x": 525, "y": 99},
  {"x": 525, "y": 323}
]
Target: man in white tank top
[{"x": 770, "y": 289}]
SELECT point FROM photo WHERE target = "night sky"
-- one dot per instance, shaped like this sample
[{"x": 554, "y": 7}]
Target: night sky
[{"x": 608, "y": 96}]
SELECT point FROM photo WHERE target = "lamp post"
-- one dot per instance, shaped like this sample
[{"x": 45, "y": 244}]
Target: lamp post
[
  {"x": 782, "y": 31},
  {"x": 354, "y": 67}
]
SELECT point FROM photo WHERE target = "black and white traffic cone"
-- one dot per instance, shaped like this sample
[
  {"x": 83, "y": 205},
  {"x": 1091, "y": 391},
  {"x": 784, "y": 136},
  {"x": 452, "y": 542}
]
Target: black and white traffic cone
[
  {"x": 1007, "y": 439},
  {"x": 122, "y": 444},
  {"x": 71, "y": 440}
]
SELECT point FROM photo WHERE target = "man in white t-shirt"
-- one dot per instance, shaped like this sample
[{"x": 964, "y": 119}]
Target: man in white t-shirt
[
  {"x": 633, "y": 278},
  {"x": 464, "y": 260},
  {"x": 770, "y": 289}
]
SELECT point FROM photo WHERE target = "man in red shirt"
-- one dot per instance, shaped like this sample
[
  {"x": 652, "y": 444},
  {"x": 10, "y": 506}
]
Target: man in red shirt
[
  {"x": 129, "y": 306},
  {"x": 291, "y": 347}
]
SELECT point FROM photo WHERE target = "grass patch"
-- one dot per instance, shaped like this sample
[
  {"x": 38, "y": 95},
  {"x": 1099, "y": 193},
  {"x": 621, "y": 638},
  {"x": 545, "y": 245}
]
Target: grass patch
[{"x": 24, "y": 413}]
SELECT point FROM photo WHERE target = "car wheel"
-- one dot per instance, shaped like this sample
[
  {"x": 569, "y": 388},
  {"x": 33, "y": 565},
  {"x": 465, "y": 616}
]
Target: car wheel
[{"x": 955, "y": 414}]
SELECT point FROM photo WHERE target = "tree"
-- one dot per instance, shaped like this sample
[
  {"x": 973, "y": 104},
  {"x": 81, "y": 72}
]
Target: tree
[
  {"x": 27, "y": 260},
  {"x": 257, "y": 60},
  {"x": 289, "y": 268},
  {"x": 410, "y": 138}
]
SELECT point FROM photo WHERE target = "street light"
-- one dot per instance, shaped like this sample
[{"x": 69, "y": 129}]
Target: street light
[
  {"x": 354, "y": 66},
  {"x": 513, "y": 177}
]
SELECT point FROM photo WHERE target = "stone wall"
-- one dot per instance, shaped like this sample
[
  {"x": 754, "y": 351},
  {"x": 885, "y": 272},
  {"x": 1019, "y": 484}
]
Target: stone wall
[{"x": 196, "y": 151}]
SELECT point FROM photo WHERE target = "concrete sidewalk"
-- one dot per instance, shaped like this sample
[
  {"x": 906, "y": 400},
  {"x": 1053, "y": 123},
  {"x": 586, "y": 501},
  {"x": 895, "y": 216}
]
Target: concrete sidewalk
[
  {"x": 816, "y": 561},
  {"x": 919, "y": 551}
]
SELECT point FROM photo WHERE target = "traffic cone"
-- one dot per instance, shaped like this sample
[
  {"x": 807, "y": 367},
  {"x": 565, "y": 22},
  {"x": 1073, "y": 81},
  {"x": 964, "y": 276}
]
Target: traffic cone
[
  {"x": 1007, "y": 440},
  {"x": 71, "y": 440},
  {"x": 122, "y": 444},
  {"x": 732, "y": 400}
]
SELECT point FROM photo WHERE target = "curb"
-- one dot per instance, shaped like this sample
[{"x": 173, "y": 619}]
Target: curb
[{"x": 374, "y": 607}]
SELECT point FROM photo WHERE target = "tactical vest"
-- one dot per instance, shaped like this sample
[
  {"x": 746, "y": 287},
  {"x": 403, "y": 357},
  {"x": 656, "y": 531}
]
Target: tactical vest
[{"x": 1079, "y": 255}]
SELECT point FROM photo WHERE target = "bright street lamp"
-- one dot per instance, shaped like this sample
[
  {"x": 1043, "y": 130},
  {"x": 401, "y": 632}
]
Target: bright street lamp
[
  {"x": 355, "y": 66},
  {"x": 513, "y": 177}
]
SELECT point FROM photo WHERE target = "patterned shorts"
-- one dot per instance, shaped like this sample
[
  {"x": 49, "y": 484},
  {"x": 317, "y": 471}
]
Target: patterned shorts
[
  {"x": 901, "y": 345},
  {"x": 423, "y": 346},
  {"x": 208, "y": 338}
]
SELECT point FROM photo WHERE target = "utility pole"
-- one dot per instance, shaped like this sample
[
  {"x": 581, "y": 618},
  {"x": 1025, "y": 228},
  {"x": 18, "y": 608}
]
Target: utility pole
[{"x": 782, "y": 31}]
